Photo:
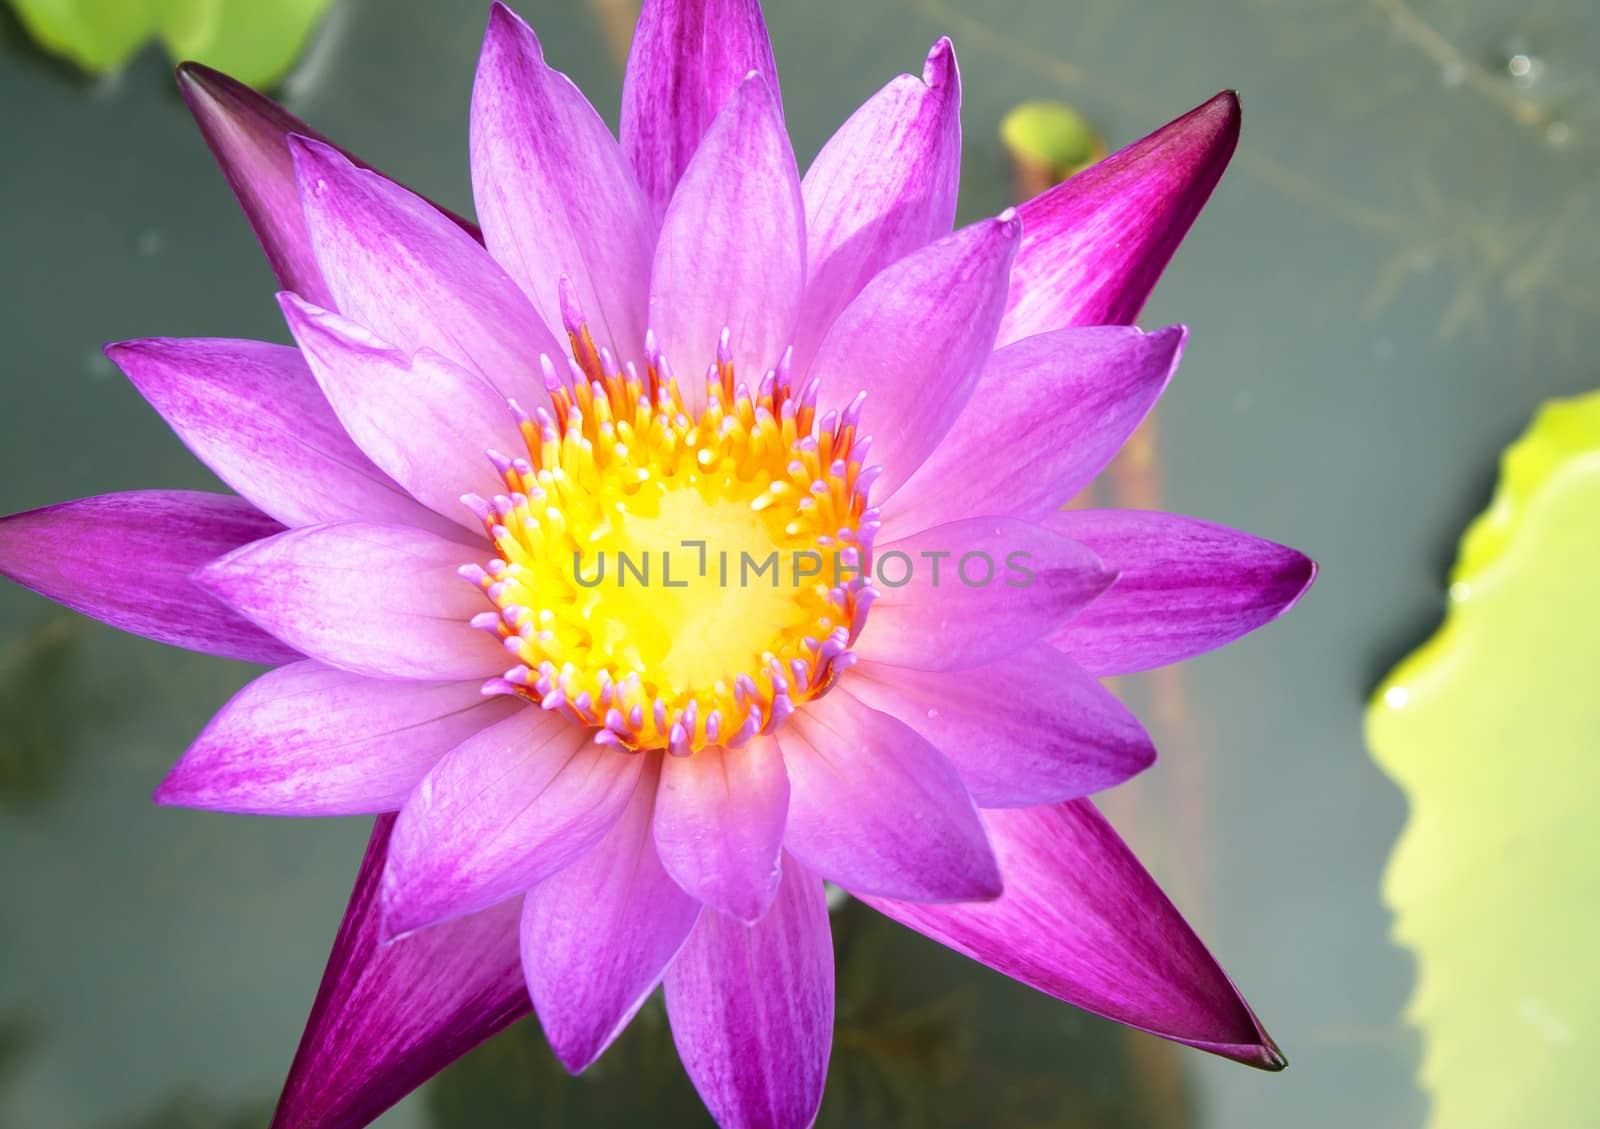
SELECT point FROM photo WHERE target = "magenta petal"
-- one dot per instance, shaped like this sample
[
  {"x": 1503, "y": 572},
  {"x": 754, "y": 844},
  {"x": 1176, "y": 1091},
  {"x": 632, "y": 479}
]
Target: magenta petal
[
  {"x": 876, "y": 808},
  {"x": 1047, "y": 415},
  {"x": 1082, "y": 921},
  {"x": 598, "y": 934},
  {"x": 719, "y": 825},
  {"x": 308, "y": 739},
  {"x": 425, "y": 421},
  {"x": 248, "y": 135},
  {"x": 732, "y": 248},
  {"x": 390, "y": 1015},
  {"x": 398, "y": 268},
  {"x": 1184, "y": 587},
  {"x": 503, "y": 811},
  {"x": 751, "y": 1008},
  {"x": 916, "y": 338},
  {"x": 969, "y": 592},
  {"x": 253, "y": 413},
  {"x": 688, "y": 57},
  {"x": 127, "y": 559},
  {"x": 379, "y": 600},
  {"x": 1093, "y": 246},
  {"x": 1033, "y": 728},
  {"x": 884, "y": 185},
  {"x": 554, "y": 192}
]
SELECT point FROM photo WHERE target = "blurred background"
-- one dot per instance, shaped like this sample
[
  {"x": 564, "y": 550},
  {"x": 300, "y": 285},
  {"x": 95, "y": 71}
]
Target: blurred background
[{"x": 1397, "y": 269}]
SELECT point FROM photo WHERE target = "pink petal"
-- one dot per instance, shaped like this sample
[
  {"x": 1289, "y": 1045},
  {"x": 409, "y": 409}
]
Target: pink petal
[
  {"x": 719, "y": 825},
  {"x": 1093, "y": 246},
  {"x": 969, "y": 592},
  {"x": 248, "y": 135},
  {"x": 876, "y": 808},
  {"x": 1030, "y": 729},
  {"x": 687, "y": 59},
  {"x": 751, "y": 1008},
  {"x": 425, "y": 421},
  {"x": 554, "y": 192},
  {"x": 379, "y": 600},
  {"x": 1082, "y": 921},
  {"x": 598, "y": 934},
  {"x": 390, "y": 1015},
  {"x": 883, "y": 186},
  {"x": 732, "y": 249},
  {"x": 916, "y": 338},
  {"x": 253, "y": 414},
  {"x": 503, "y": 811},
  {"x": 308, "y": 739},
  {"x": 127, "y": 559},
  {"x": 399, "y": 269},
  {"x": 1184, "y": 587},
  {"x": 1048, "y": 414}
]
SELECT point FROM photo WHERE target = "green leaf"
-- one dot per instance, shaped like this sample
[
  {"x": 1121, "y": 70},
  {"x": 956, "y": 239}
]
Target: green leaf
[
  {"x": 1492, "y": 729},
  {"x": 256, "y": 41}
]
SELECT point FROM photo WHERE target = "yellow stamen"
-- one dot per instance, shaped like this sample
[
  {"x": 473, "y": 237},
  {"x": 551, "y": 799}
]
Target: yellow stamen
[{"x": 678, "y": 578}]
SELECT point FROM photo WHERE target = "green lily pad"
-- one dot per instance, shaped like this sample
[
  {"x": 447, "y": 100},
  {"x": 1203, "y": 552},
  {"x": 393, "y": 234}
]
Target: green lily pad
[
  {"x": 256, "y": 41},
  {"x": 1492, "y": 729}
]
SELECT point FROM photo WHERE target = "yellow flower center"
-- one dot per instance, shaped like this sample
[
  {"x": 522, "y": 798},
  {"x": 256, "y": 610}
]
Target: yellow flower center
[{"x": 677, "y": 578}]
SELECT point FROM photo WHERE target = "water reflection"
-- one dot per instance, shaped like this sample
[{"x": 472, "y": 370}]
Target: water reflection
[
  {"x": 44, "y": 709},
  {"x": 929, "y": 1042}
]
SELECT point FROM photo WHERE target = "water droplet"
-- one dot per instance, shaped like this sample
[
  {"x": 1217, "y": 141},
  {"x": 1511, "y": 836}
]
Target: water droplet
[
  {"x": 1558, "y": 134},
  {"x": 933, "y": 715},
  {"x": 1522, "y": 66},
  {"x": 1453, "y": 74},
  {"x": 150, "y": 242}
]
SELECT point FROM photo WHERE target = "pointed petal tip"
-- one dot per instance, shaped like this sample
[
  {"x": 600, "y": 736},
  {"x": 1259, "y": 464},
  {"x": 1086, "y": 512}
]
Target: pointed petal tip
[
  {"x": 174, "y": 791},
  {"x": 503, "y": 22},
  {"x": 757, "y": 84},
  {"x": 991, "y": 884},
  {"x": 393, "y": 923},
  {"x": 1108, "y": 577},
  {"x": 1222, "y": 114},
  {"x": 116, "y": 349},
  {"x": 940, "y": 67},
  {"x": 298, "y": 311},
  {"x": 1226, "y": 103},
  {"x": 574, "y": 1060},
  {"x": 1269, "y": 1057},
  {"x": 1262, "y": 1054},
  {"x": 1303, "y": 571},
  {"x": 196, "y": 80},
  {"x": 313, "y": 151},
  {"x": 167, "y": 794}
]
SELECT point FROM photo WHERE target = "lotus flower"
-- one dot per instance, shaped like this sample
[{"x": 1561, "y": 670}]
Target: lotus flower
[{"x": 588, "y": 792}]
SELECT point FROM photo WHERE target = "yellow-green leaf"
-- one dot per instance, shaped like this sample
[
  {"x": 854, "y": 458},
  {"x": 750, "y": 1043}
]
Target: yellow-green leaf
[
  {"x": 256, "y": 41},
  {"x": 1492, "y": 729}
]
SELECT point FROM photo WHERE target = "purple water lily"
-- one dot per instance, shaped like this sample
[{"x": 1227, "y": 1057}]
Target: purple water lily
[{"x": 588, "y": 789}]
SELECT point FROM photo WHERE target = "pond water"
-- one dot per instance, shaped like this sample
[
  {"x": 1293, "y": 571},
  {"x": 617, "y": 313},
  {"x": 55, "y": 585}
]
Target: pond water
[{"x": 1396, "y": 270}]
